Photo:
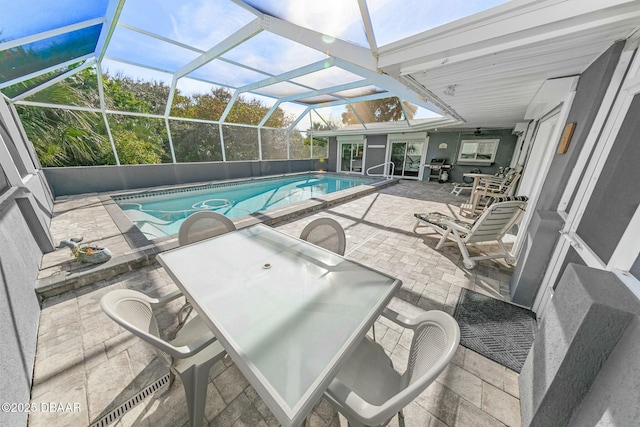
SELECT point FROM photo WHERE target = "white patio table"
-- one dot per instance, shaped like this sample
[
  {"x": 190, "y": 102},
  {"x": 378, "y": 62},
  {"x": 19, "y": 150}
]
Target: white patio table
[{"x": 287, "y": 312}]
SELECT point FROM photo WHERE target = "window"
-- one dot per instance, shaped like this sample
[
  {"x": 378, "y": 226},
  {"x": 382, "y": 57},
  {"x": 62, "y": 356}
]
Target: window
[{"x": 475, "y": 152}]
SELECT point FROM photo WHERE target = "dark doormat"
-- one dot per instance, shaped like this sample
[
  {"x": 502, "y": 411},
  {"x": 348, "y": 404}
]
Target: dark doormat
[{"x": 496, "y": 329}]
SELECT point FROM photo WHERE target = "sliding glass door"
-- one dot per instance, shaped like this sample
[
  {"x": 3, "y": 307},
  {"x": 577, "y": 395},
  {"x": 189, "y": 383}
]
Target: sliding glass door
[
  {"x": 352, "y": 157},
  {"x": 407, "y": 159}
]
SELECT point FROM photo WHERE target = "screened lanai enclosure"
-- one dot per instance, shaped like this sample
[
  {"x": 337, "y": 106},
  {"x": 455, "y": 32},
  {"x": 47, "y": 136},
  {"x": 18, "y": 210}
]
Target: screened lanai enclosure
[
  {"x": 103, "y": 101},
  {"x": 137, "y": 82}
]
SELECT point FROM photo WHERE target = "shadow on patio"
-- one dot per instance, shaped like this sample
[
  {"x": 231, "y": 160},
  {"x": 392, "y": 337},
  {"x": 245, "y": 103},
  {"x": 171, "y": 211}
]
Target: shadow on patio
[{"x": 85, "y": 357}]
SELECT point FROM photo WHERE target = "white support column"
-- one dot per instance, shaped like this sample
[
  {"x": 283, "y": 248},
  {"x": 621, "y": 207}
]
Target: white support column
[
  {"x": 300, "y": 117},
  {"x": 9, "y": 168},
  {"x": 288, "y": 145},
  {"x": 368, "y": 27},
  {"x": 224, "y": 154},
  {"x": 103, "y": 107},
  {"x": 243, "y": 34},
  {"x": 398, "y": 89},
  {"x": 332, "y": 89},
  {"x": 229, "y": 106},
  {"x": 269, "y": 113},
  {"x": 364, "y": 98},
  {"x": 355, "y": 113},
  {"x": 16, "y": 136},
  {"x": 23, "y": 135},
  {"x": 159, "y": 37},
  {"x": 51, "y": 33},
  {"x": 173, "y": 153},
  {"x": 172, "y": 92},
  {"x": 307, "y": 69},
  {"x": 45, "y": 71},
  {"x": 111, "y": 140},
  {"x": 113, "y": 13},
  {"x": 338, "y": 48},
  {"x": 260, "y": 144},
  {"x": 55, "y": 80}
]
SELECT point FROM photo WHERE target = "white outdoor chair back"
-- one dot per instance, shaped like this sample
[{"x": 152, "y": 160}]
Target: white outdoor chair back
[
  {"x": 190, "y": 355},
  {"x": 492, "y": 225},
  {"x": 203, "y": 225},
  {"x": 369, "y": 392},
  {"x": 326, "y": 233}
]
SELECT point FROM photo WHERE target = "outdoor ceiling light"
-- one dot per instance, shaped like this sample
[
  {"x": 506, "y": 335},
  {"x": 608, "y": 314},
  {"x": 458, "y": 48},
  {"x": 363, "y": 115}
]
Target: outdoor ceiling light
[{"x": 450, "y": 90}]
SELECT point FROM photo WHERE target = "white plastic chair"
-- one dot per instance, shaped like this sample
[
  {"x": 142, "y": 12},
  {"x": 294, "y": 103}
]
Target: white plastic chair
[
  {"x": 200, "y": 226},
  {"x": 326, "y": 233},
  {"x": 203, "y": 225},
  {"x": 191, "y": 354},
  {"x": 369, "y": 392},
  {"x": 492, "y": 225},
  {"x": 488, "y": 187}
]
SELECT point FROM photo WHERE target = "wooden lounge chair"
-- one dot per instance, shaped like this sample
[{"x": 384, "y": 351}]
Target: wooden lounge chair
[
  {"x": 490, "y": 187},
  {"x": 491, "y": 226}
]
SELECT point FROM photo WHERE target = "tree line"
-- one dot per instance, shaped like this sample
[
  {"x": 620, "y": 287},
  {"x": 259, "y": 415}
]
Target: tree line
[{"x": 67, "y": 137}]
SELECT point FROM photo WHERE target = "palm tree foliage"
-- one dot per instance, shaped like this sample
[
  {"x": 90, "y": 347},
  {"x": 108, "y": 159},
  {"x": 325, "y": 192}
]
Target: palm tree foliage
[{"x": 67, "y": 137}]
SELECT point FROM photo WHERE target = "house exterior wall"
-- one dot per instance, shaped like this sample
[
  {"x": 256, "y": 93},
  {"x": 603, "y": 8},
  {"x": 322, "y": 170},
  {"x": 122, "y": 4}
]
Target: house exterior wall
[
  {"x": 89, "y": 179},
  {"x": 505, "y": 151},
  {"x": 25, "y": 214},
  {"x": 540, "y": 240},
  {"x": 376, "y": 156},
  {"x": 20, "y": 259},
  {"x": 583, "y": 369}
]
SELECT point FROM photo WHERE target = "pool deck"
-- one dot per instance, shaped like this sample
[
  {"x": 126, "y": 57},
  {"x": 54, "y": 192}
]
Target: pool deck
[
  {"x": 100, "y": 221},
  {"x": 84, "y": 357}
]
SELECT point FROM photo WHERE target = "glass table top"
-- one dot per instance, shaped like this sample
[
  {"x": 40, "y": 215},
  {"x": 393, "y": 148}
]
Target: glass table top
[{"x": 287, "y": 311}]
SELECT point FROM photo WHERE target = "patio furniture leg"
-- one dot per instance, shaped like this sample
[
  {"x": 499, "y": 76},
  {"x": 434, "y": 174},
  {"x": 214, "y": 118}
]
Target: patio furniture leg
[
  {"x": 443, "y": 239},
  {"x": 195, "y": 380},
  {"x": 466, "y": 258}
]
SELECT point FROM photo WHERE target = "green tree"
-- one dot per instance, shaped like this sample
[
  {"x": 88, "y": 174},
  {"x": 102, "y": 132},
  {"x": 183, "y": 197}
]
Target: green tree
[
  {"x": 378, "y": 110},
  {"x": 132, "y": 150},
  {"x": 64, "y": 137}
]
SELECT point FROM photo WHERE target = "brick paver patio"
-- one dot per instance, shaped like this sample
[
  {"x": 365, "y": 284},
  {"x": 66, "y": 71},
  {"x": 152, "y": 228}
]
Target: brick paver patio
[{"x": 84, "y": 357}]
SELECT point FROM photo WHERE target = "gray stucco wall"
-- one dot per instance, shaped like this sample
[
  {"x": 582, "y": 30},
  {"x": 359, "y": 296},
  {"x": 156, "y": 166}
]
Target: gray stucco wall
[
  {"x": 583, "y": 365},
  {"x": 452, "y": 139},
  {"x": 19, "y": 309},
  {"x": 616, "y": 197},
  {"x": 24, "y": 220},
  {"x": 540, "y": 241},
  {"x": 635, "y": 269},
  {"x": 80, "y": 180},
  {"x": 25, "y": 215},
  {"x": 333, "y": 154},
  {"x": 375, "y": 156}
]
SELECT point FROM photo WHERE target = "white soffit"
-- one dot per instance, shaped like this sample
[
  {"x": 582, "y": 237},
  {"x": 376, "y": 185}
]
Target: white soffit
[{"x": 493, "y": 80}]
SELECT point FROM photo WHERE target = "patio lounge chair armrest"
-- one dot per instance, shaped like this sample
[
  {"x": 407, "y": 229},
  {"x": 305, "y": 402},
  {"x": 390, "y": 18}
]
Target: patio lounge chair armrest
[
  {"x": 452, "y": 225},
  {"x": 167, "y": 298}
]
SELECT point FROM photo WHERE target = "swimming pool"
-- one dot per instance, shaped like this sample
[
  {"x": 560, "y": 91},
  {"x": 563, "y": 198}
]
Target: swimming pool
[{"x": 160, "y": 213}]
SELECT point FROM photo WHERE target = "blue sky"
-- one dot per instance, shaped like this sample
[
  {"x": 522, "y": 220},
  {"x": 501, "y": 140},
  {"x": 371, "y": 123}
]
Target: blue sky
[{"x": 203, "y": 24}]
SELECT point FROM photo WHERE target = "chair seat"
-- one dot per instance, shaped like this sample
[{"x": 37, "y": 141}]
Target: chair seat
[
  {"x": 213, "y": 351},
  {"x": 194, "y": 329},
  {"x": 438, "y": 220},
  {"x": 365, "y": 371}
]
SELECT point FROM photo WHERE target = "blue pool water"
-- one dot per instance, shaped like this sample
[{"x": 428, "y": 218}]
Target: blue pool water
[{"x": 160, "y": 213}]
